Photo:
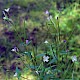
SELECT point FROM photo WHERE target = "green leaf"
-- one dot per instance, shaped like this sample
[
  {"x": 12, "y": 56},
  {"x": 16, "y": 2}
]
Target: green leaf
[
  {"x": 40, "y": 55},
  {"x": 28, "y": 54},
  {"x": 33, "y": 67},
  {"x": 48, "y": 76},
  {"x": 6, "y": 18},
  {"x": 52, "y": 61},
  {"x": 47, "y": 68},
  {"x": 17, "y": 70},
  {"x": 56, "y": 70},
  {"x": 63, "y": 52},
  {"x": 18, "y": 73}
]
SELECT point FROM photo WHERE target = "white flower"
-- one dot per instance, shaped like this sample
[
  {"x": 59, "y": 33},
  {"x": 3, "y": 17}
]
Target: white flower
[
  {"x": 15, "y": 74},
  {"x": 37, "y": 72},
  {"x": 45, "y": 58},
  {"x": 46, "y": 12},
  {"x": 46, "y": 42},
  {"x": 74, "y": 58},
  {"x": 15, "y": 49},
  {"x": 7, "y": 10},
  {"x": 3, "y": 12},
  {"x": 49, "y": 18}
]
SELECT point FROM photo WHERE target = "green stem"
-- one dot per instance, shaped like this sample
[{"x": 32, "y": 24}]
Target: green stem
[
  {"x": 58, "y": 29},
  {"x": 24, "y": 30}
]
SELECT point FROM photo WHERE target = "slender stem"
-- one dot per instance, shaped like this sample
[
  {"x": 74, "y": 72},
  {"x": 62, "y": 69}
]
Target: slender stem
[
  {"x": 58, "y": 29},
  {"x": 53, "y": 52},
  {"x": 53, "y": 24},
  {"x": 24, "y": 29}
]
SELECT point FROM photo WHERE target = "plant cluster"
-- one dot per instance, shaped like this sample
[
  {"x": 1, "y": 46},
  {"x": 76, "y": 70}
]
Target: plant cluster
[{"x": 48, "y": 52}]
